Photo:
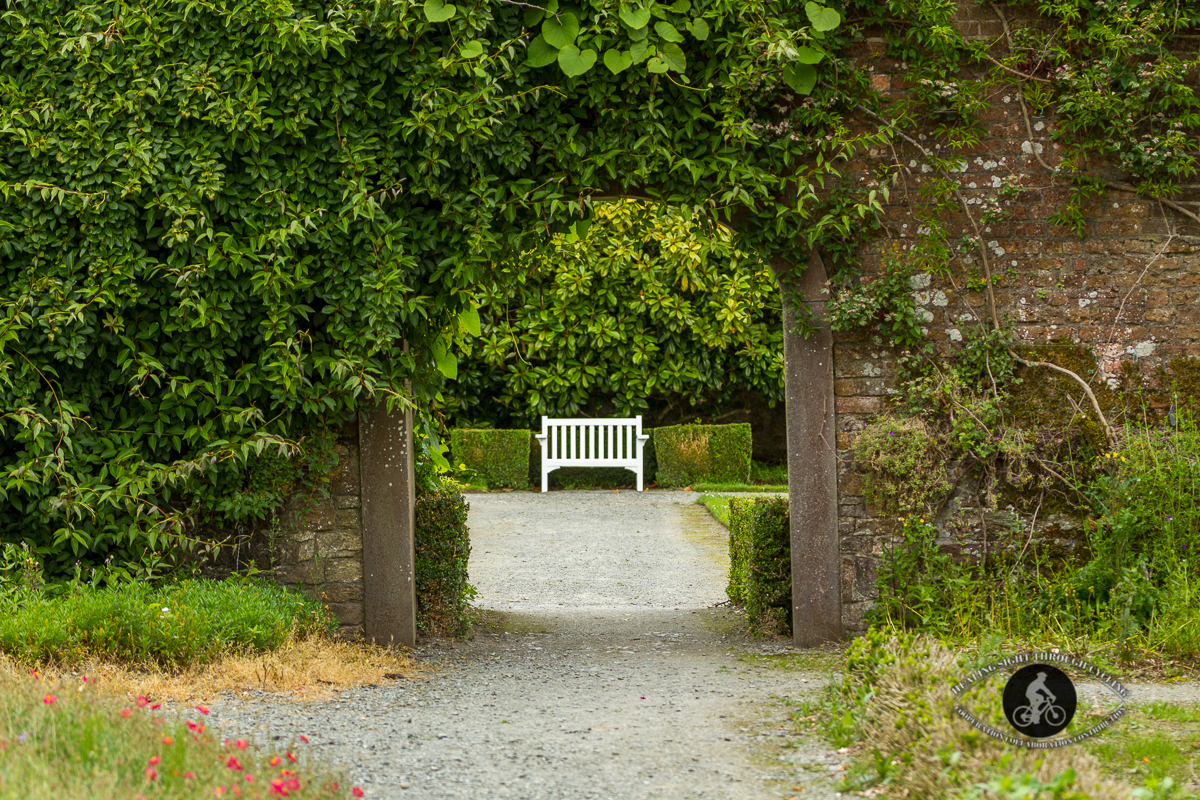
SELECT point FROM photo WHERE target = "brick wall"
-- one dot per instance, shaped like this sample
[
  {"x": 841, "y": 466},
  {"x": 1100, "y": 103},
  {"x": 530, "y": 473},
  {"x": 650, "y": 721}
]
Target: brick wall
[{"x": 1125, "y": 297}]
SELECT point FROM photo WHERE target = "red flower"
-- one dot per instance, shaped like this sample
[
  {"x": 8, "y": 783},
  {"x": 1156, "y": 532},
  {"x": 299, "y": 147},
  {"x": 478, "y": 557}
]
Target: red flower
[
  {"x": 291, "y": 756},
  {"x": 125, "y": 712},
  {"x": 168, "y": 740},
  {"x": 276, "y": 761},
  {"x": 49, "y": 699},
  {"x": 357, "y": 792},
  {"x": 202, "y": 709},
  {"x": 189, "y": 774},
  {"x": 155, "y": 706},
  {"x": 240, "y": 744},
  {"x": 304, "y": 738},
  {"x": 151, "y": 773},
  {"x": 154, "y": 761},
  {"x": 143, "y": 701},
  {"x": 279, "y": 788},
  {"x": 232, "y": 763}
]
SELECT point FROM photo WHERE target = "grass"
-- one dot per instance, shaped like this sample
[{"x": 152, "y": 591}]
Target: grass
[
  {"x": 894, "y": 711},
  {"x": 1154, "y": 741},
  {"x": 76, "y": 737},
  {"x": 717, "y": 505},
  {"x": 83, "y": 673},
  {"x": 174, "y": 626}
]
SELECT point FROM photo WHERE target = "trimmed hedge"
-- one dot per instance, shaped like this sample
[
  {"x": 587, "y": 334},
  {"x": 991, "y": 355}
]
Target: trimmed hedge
[
  {"x": 499, "y": 457},
  {"x": 442, "y": 545},
  {"x": 602, "y": 477},
  {"x": 760, "y": 562},
  {"x": 689, "y": 454}
]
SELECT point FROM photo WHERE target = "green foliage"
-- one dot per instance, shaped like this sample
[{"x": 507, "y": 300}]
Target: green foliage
[
  {"x": 917, "y": 583},
  {"x": 885, "y": 303},
  {"x": 904, "y": 463},
  {"x": 760, "y": 562},
  {"x": 688, "y": 454},
  {"x": 225, "y": 224},
  {"x": 174, "y": 626},
  {"x": 500, "y": 458},
  {"x": 646, "y": 309},
  {"x": 442, "y": 544}
]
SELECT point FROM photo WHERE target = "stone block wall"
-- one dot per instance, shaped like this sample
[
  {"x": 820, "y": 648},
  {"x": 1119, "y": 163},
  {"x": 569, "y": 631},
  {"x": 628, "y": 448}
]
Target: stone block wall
[
  {"x": 319, "y": 546},
  {"x": 1123, "y": 300}
]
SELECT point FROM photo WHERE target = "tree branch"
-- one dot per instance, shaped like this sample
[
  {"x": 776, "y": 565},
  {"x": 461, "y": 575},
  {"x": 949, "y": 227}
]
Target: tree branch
[{"x": 1108, "y": 430}]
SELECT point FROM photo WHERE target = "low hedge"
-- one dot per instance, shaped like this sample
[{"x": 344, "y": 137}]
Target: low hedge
[
  {"x": 760, "y": 562},
  {"x": 499, "y": 457},
  {"x": 600, "y": 477},
  {"x": 689, "y": 454},
  {"x": 442, "y": 546}
]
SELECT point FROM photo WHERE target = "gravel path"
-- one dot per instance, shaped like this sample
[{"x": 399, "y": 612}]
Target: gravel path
[{"x": 603, "y": 668}]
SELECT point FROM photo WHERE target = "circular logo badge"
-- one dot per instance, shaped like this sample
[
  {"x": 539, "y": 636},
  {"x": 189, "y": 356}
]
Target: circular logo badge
[{"x": 1039, "y": 700}]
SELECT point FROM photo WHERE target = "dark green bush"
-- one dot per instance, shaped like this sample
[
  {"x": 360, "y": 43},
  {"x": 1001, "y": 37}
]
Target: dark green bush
[
  {"x": 442, "y": 545},
  {"x": 600, "y": 477},
  {"x": 689, "y": 454},
  {"x": 499, "y": 457},
  {"x": 760, "y": 562}
]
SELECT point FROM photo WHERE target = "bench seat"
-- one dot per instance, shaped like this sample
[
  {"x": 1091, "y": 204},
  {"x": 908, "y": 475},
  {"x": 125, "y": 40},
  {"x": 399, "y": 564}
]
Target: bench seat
[{"x": 591, "y": 443}]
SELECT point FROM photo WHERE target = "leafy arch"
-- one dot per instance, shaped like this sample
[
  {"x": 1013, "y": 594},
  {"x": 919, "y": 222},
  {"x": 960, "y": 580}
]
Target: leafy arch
[{"x": 226, "y": 223}]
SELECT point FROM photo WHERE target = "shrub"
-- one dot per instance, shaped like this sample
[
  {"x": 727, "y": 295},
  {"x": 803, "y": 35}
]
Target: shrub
[
  {"x": 689, "y": 454},
  {"x": 442, "y": 545},
  {"x": 760, "y": 562},
  {"x": 499, "y": 457},
  {"x": 176, "y": 625}
]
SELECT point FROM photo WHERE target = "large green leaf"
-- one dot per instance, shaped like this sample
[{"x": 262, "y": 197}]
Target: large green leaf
[
  {"x": 470, "y": 321},
  {"x": 635, "y": 17},
  {"x": 657, "y": 65},
  {"x": 809, "y": 55},
  {"x": 472, "y": 49},
  {"x": 801, "y": 77},
  {"x": 642, "y": 50},
  {"x": 823, "y": 19},
  {"x": 533, "y": 16},
  {"x": 561, "y": 31},
  {"x": 681, "y": 6},
  {"x": 439, "y": 11},
  {"x": 575, "y": 62},
  {"x": 699, "y": 29},
  {"x": 668, "y": 32},
  {"x": 541, "y": 53},
  {"x": 617, "y": 61},
  {"x": 673, "y": 55},
  {"x": 446, "y": 361}
]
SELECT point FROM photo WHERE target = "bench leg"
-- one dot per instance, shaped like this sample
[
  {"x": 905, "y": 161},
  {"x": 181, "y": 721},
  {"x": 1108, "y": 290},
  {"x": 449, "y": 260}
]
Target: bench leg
[
  {"x": 639, "y": 474},
  {"x": 545, "y": 480}
]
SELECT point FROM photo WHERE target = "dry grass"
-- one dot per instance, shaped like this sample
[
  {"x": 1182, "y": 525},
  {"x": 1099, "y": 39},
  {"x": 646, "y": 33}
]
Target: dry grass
[
  {"x": 315, "y": 668},
  {"x": 912, "y": 712}
]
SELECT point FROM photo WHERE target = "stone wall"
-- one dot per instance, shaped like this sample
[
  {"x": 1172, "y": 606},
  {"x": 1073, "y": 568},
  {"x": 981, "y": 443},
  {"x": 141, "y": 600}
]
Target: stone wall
[
  {"x": 1121, "y": 304},
  {"x": 319, "y": 545}
]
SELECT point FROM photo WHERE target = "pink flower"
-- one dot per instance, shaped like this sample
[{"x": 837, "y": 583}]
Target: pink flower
[
  {"x": 49, "y": 699},
  {"x": 154, "y": 761},
  {"x": 168, "y": 740},
  {"x": 125, "y": 712},
  {"x": 189, "y": 774},
  {"x": 202, "y": 709},
  {"x": 276, "y": 761},
  {"x": 151, "y": 773},
  {"x": 143, "y": 701},
  {"x": 291, "y": 756},
  {"x": 357, "y": 792},
  {"x": 155, "y": 706},
  {"x": 304, "y": 738},
  {"x": 232, "y": 763},
  {"x": 240, "y": 744}
]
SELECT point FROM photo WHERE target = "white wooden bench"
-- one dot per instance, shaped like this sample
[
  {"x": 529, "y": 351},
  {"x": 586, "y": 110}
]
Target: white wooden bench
[{"x": 591, "y": 443}]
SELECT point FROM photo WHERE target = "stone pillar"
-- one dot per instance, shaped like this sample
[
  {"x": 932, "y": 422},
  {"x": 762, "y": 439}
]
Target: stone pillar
[
  {"x": 385, "y": 443},
  {"x": 812, "y": 465}
]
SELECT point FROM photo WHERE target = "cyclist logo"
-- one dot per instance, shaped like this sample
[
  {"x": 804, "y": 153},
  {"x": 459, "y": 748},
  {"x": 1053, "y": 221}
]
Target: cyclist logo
[{"x": 1039, "y": 700}]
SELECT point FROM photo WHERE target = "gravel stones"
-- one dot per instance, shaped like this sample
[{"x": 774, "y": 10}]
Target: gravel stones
[{"x": 603, "y": 666}]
